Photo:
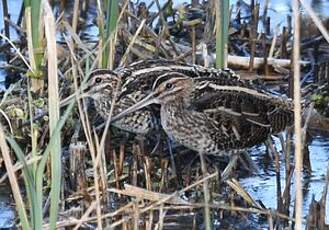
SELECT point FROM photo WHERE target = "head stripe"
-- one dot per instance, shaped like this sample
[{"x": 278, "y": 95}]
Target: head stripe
[
  {"x": 101, "y": 72},
  {"x": 165, "y": 77}
]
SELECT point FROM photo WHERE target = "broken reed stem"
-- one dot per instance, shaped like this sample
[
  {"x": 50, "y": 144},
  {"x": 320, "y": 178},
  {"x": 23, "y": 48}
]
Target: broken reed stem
[{"x": 297, "y": 114}]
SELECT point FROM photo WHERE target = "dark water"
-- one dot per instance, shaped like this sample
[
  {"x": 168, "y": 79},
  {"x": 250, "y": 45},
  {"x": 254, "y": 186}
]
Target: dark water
[
  {"x": 7, "y": 212},
  {"x": 14, "y": 7},
  {"x": 261, "y": 186}
]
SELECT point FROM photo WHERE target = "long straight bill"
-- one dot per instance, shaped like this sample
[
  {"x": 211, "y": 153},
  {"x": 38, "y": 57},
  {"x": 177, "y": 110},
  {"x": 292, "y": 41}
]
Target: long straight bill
[{"x": 141, "y": 104}]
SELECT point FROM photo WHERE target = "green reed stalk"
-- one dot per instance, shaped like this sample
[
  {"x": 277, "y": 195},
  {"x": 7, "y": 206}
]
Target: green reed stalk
[
  {"x": 32, "y": 16},
  {"x": 222, "y": 24},
  {"x": 34, "y": 180},
  {"x": 112, "y": 12}
]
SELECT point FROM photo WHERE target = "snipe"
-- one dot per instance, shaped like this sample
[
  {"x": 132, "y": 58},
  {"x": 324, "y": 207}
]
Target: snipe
[
  {"x": 213, "y": 116},
  {"x": 136, "y": 82}
]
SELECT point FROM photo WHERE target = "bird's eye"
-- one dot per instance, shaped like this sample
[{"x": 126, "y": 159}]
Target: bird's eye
[
  {"x": 98, "y": 79},
  {"x": 169, "y": 86}
]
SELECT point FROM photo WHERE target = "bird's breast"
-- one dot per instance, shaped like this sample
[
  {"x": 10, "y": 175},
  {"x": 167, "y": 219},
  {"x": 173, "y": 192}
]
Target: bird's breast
[{"x": 188, "y": 129}]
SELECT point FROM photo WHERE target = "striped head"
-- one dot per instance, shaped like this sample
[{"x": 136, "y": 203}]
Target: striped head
[
  {"x": 101, "y": 85},
  {"x": 173, "y": 87}
]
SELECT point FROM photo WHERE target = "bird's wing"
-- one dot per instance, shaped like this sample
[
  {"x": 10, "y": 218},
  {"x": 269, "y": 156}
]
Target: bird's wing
[{"x": 239, "y": 106}]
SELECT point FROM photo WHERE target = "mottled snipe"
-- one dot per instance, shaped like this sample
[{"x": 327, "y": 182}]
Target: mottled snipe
[
  {"x": 136, "y": 82},
  {"x": 215, "y": 115}
]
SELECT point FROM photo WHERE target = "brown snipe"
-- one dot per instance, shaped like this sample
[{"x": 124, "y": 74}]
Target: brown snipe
[
  {"x": 215, "y": 115},
  {"x": 136, "y": 82}
]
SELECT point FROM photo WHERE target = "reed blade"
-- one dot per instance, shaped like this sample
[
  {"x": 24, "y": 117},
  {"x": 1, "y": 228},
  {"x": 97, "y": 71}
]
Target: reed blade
[{"x": 222, "y": 24}]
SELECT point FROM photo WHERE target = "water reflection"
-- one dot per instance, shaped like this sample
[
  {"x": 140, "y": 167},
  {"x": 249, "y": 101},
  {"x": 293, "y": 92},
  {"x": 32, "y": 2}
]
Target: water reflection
[
  {"x": 262, "y": 186},
  {"x": 7, "y": 212},
  {"x": 14, "y": 7}
]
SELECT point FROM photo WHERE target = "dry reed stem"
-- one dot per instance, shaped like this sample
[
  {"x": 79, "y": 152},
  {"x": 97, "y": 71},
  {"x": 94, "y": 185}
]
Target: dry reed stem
[
  {"x": 229, "y": 208},
  {"x": 17, "y": 51},
  {"x": 75, "y": 17},
  {"x": 297, "y": 115},
  {"x": 206, "y": 193},
  {"x": 162, "y": 215},
  {"x": 235, "y": 185},
  {"x": 12, "y": 178},
  {"x": 53, "y": 107},
  {"x": 100, "y": 164},
  {"x": 85, "y": 215},
  {"x": 253, "y": 36},
  {"x": 136, "y": 214},
  {"x": 243, "y": 62},
  {"x": 144, "y": 194},
  {"x": 270, "y": 222},
  {"x": 228, "y": 169},
  {"x": 124, "y": 57},
  {"x": 273, "y": 43}
]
